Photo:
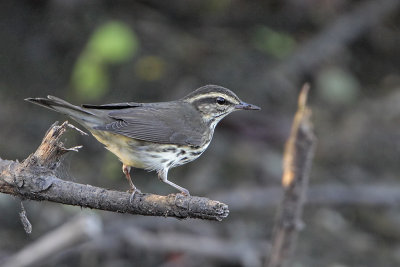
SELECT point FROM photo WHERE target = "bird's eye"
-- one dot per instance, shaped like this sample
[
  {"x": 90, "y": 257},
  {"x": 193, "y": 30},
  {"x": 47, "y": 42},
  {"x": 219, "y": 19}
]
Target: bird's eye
[{"x": 221, "y": 101}]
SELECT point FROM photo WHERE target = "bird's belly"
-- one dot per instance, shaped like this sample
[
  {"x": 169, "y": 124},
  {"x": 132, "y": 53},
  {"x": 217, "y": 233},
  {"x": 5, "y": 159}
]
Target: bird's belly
[{"x": 147, "y": 155}]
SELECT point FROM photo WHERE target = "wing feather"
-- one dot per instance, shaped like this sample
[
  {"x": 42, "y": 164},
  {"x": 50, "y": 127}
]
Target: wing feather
[
  {"x": 113, "y": 105},
  {"x": 165, "y": 124}
]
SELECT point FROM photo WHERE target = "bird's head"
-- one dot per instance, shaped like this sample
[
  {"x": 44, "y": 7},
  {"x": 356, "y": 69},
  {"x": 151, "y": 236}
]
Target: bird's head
[{"x": 215, "y": 102}]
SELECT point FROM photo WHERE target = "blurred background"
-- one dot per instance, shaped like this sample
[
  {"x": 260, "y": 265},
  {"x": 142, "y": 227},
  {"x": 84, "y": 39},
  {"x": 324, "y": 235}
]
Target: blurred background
[{"x": 147, "y": 51}]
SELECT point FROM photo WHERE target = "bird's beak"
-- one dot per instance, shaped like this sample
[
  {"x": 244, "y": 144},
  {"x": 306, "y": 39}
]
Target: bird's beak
[{"x": 245, "y": 106}]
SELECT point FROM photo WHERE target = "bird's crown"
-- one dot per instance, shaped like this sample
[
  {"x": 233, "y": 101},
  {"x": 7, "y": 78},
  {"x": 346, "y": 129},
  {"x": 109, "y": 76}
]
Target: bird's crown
[{"x": 212, "y": 92}]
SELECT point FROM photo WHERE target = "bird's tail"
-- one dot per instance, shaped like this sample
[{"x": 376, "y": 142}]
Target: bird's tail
[{"x": 81, "y": 115}]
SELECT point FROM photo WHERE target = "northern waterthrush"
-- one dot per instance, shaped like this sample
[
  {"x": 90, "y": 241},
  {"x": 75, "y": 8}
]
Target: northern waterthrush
[{"x": 154, "y": 136}]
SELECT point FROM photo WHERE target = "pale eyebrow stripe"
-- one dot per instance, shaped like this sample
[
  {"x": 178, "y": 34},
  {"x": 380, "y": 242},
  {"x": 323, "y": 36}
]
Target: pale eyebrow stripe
[{"x": 211, "y": 95}]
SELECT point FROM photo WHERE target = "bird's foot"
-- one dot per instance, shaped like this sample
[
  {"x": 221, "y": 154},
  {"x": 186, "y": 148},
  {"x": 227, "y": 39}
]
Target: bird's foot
[
  {"x": 184, "y": 193},
  {"x": 133, "y": 191}
]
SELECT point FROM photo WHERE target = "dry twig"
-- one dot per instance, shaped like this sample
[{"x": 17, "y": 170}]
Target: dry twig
[
  {"x": 297, "y": 160},
  {"x": 35, "y": 179}
]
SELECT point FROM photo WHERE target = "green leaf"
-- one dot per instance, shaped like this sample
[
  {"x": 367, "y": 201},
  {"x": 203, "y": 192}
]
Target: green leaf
[
  {"x": 89, "y": 78},
  {"x": 113, "y": 42}
]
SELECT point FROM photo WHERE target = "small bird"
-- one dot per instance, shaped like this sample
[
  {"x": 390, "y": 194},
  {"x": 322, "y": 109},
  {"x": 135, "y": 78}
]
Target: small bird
[{"x": 154, "y": 136}]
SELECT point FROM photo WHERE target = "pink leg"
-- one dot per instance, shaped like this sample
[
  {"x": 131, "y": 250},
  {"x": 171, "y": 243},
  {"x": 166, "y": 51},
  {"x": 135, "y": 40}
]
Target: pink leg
[{"x": 126, "y": 169}]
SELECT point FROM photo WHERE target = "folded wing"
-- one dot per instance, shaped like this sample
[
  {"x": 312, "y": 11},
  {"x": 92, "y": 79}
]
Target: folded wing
[{"x": 164, "y": 123}]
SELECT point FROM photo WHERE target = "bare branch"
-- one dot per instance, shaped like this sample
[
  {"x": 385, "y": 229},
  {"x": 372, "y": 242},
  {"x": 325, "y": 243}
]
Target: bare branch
[
  {"x": 297, "y": 160},
  {"x": 334, "y": 38},
  {"x": 76, "y": 231},
  {"x": 328, "y": 43},
  {"x": 35, "y": 179}
]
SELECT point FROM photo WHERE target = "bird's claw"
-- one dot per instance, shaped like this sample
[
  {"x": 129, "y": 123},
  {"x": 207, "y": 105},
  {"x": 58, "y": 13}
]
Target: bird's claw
[
  {"x": 185, "y": 193},
  {"x": 133, "y": 191},
  {"x": 182, "y": 194}
]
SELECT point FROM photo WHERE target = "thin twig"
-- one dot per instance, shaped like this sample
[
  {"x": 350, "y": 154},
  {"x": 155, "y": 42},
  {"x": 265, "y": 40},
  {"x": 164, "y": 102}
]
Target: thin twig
[
  {"x": 35, "y": 179},
  {"x": 297, "y": 160},
  {"x": 24, "y": 220}
]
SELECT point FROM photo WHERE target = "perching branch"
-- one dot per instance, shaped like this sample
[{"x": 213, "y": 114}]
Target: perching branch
[
  {"x": 297, "y": 160},
  {"x": 35, "y": 179}
]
